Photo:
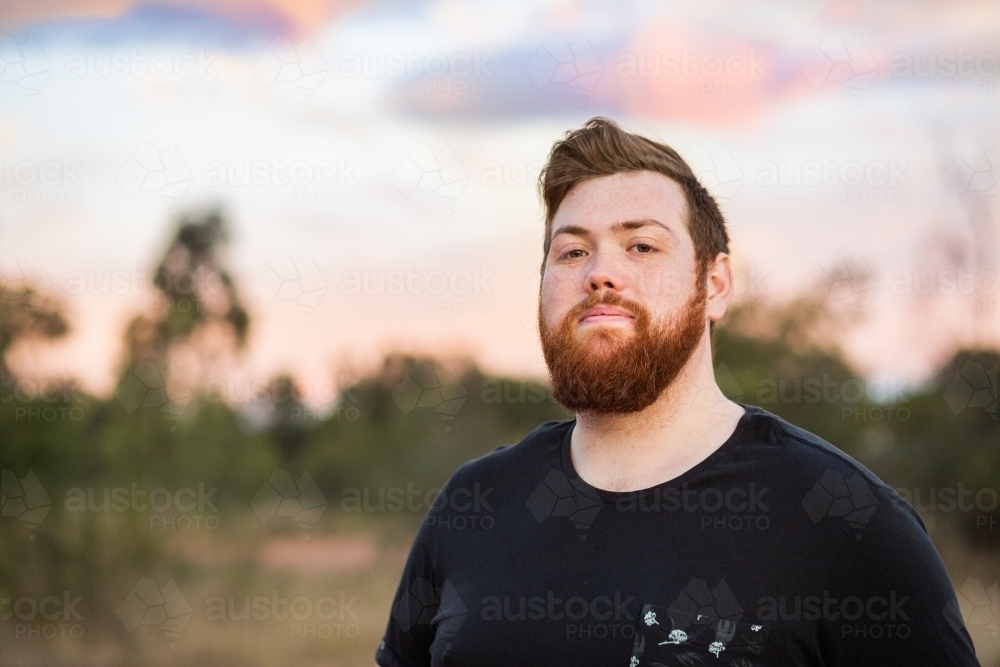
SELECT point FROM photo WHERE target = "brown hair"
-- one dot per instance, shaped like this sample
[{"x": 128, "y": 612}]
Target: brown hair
[{"x": 601, "y": 148}]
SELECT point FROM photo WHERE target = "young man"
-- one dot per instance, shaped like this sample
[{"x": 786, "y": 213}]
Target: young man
[{"x": 665, "y": 524}]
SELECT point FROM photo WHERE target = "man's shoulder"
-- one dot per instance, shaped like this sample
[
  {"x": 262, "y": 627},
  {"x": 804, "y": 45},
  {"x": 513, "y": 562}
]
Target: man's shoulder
[
  {"x": 834, "y": 482},
  {"x": 802, "y": 451},
  {"x": 538, "y": 446}
]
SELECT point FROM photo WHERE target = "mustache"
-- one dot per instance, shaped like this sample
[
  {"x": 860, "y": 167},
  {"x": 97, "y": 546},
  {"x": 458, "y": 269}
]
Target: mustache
[{"x": 607, "y": 299}]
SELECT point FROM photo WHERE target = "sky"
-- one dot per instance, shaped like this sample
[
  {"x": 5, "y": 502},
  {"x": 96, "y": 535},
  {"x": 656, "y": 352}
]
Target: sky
[{"x": 359, "y": 144}]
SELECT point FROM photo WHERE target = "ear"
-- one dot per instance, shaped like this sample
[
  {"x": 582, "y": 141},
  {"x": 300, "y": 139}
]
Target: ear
[{"x": 721, "y": 287}]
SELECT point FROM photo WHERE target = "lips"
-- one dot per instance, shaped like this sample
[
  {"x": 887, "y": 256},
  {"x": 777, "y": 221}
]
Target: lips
[{"x": 606, "y": 311}]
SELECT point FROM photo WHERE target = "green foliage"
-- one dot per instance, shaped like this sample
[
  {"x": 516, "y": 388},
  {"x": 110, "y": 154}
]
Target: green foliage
[
  {"x": 410, "y": 424},
  {"x": 779, "y": 362},
  {"x": 392, "y": 440},
  {"x": 928, "y": 442}
]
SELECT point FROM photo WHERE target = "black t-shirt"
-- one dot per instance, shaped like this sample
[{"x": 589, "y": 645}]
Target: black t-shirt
[{"x": 778, "y": 549}]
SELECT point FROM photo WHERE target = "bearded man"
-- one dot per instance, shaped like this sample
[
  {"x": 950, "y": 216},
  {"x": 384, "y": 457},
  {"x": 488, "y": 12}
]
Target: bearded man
[{"x": 664, "y": 524}]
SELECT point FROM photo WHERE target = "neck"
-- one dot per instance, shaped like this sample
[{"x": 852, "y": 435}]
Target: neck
[{"x": 689, "y": 421}]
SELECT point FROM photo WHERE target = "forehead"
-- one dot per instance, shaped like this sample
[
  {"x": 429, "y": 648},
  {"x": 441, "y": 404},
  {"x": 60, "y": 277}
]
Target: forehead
[{"x": 599, "y": 202}]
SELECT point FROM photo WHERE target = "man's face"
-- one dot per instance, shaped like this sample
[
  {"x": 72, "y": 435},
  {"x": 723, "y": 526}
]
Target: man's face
[{"x": 621, "y": 306}]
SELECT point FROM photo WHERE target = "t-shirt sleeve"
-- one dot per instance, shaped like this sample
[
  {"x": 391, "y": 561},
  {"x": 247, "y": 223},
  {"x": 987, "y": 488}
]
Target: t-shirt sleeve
[
  {"x": 409, "y": 632},
  {"x": 424, "y": 599},
  {"x": 888, "y": 599}
]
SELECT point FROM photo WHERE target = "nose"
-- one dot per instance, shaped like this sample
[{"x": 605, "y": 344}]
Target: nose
[{"x": 603, "y": 274}]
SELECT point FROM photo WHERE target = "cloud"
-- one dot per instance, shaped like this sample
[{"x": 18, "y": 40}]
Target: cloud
[{"x": 225, "y": 22}]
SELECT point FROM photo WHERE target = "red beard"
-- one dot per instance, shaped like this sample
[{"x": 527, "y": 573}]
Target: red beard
[{"x": 607, "y": 369}]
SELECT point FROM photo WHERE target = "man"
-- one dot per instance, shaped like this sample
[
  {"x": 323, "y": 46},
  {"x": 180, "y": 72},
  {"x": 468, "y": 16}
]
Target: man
[{"x": 665, "y": 524}]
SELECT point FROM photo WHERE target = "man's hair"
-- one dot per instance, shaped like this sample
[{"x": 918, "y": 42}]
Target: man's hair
[{"x": 602, "y": 148}]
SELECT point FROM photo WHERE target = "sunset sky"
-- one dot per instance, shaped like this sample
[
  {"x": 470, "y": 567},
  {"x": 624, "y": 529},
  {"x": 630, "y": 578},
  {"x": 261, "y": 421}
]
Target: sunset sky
[{"x": 348, "y": 140}]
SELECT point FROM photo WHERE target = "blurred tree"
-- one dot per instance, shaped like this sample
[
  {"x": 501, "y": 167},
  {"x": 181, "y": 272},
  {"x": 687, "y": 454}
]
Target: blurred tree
[
  {"x": 787, "y": 360},
  {"x": 416, "y": 419},
  {"x": 951, "y": 447},
  {"x": 197, "y": 299},
  {"x": 26, "y": 313},
  {"x": 288, "y": 422}
]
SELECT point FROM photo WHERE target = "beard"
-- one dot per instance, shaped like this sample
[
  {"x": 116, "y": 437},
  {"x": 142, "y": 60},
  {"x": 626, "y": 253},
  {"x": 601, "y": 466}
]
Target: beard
[{"x": 606, "y": 369}]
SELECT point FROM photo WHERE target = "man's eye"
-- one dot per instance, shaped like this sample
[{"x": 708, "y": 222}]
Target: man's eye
[
  {"x": 644, "y": 248},
  {"x": 569, "y": 252}
]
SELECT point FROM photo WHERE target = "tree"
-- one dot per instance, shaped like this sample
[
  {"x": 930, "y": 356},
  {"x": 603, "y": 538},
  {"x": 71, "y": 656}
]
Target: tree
[
  {"x": 197, "y": 311},
  {"x": 25, "y": 314}
]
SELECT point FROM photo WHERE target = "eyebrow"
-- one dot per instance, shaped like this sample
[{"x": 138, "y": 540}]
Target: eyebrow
[{"x": 576, "y": 230}]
